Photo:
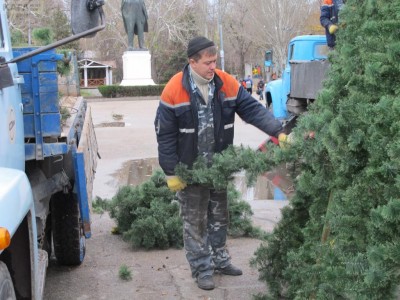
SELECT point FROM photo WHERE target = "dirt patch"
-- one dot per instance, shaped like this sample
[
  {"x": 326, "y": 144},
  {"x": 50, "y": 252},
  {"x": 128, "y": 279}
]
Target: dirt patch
[{"x": 68, "y": 101}]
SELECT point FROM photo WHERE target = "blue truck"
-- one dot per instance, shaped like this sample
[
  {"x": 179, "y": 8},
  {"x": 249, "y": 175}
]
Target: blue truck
[
  {"x": 305, "y": 69},
  {"x": 47, "y": 160}
]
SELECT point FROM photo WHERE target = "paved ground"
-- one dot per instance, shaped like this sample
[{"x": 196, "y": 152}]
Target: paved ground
[{"x": 156, "y": 274}]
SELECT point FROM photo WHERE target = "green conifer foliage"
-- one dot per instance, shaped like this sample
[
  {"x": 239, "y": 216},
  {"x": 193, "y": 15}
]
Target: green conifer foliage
[
  {"x": 148, "y": 214},
  {"x": 339, "y": 238},
  {"x": 230, "y": 161}
]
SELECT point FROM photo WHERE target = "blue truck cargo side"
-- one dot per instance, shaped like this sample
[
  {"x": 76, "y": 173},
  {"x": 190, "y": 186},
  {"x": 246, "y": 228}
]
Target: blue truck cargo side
[
  {"x": 50, "y": 125},
  {"x": 80, "y": 189},
  {"x": 48, "y": 150},
  {"x": 40, "y": 98},
  {"x": 45, "y": 61},
  {"x": 48, "y": 93}
]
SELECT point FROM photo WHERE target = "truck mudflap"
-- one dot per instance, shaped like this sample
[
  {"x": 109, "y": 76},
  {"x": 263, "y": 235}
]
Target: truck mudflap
[{"x": 85, "y": 162}]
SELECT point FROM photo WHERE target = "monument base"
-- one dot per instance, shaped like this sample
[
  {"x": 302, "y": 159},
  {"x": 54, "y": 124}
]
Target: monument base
[{"x": 137, "y": 68}]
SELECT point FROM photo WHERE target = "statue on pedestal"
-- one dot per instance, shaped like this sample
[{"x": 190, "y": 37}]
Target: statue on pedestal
[{"x": 134, "y": 14}]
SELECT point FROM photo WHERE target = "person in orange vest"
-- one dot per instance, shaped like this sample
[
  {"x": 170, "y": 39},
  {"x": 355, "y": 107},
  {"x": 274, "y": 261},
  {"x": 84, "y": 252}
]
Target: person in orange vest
[
  {"x": 329, "y": 19},
  {"x": 196, "y": 118}
]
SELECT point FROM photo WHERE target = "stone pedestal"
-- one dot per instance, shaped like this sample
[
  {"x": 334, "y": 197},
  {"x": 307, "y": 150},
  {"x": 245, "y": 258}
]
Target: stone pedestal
[{"x": 137, "y": 68}]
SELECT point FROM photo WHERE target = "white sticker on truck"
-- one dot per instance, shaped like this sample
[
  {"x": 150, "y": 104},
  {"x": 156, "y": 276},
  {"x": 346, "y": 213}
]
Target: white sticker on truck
[{"x": 11, "y": 125}]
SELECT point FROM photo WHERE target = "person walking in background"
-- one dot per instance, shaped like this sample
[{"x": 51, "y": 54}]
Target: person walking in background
[
  {"x": 195, "y": 118},
  {"x": 329, "y": 19},
  {"x": 249, "y": 84},
  {"x": 260, "y": 89}
]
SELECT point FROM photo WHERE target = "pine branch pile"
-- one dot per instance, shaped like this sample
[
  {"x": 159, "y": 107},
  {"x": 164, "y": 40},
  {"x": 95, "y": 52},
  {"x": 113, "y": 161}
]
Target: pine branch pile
[
  {"x": 148, "y": 214},
  {"x": 339, "y": 238}
]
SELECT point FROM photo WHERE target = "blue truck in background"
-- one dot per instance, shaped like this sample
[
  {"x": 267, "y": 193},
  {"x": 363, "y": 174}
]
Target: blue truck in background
[
  {"x": 305, "y": 70},
  {"x": 47, "y": 160}
]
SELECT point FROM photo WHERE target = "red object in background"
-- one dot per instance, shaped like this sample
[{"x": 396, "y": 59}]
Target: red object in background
[
  {"x": 279, "y": 175},
  {"x": 263, "y": 146}
]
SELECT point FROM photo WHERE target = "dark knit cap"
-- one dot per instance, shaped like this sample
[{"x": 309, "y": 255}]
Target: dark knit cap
[{"x": 197, "y": 44}]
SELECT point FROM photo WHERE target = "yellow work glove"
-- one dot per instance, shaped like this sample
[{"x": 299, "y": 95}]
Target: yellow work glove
[
  {"x": 333, "y": 28},
  {"x": 175, "y": 183},
  {"x": 283, "y": 141}
]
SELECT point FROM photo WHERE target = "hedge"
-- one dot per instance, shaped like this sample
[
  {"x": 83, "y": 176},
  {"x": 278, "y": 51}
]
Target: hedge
[{"x": 117, "y": 91}]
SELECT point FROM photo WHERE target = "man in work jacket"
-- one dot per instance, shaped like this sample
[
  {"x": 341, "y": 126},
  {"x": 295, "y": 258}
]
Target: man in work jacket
[
  {"x": 195, "y": 118},
  {"x": 329, "y": 19}
]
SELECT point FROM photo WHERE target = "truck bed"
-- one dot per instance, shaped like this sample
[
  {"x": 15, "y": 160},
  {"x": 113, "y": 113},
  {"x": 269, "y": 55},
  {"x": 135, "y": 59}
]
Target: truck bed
[
  {"x": 78, "y": 131},
  {"x": 307, "y": 78},
  {"x": 71, "y": 106}
]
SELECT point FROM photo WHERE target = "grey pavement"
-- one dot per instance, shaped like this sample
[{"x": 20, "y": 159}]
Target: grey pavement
[{"x": 155, "y": 274}]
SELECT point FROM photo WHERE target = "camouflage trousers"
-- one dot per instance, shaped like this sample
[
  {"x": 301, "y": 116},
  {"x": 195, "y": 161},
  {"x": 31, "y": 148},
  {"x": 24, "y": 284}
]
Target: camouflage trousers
[{"x": 204, "y": 212}]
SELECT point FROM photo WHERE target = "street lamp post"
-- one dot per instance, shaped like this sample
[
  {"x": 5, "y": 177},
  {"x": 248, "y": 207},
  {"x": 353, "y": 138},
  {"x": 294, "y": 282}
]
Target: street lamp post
[{"x": 221, "y": 40}]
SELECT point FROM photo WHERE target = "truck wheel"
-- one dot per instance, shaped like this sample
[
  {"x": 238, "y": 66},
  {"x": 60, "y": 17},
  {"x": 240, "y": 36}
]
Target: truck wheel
[
  {"x": 6, "y": 286},
  {"x": 68, "y": 239}
]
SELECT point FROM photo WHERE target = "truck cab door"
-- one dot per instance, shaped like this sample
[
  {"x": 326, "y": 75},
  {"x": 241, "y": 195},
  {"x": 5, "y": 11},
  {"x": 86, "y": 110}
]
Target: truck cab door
[
  {"x": 12, "y": 149},
  {"x": 286, "y": 74}
]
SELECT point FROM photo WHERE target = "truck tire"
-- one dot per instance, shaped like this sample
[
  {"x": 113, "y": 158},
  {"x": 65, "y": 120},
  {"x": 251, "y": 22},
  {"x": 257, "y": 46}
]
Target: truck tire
[
  {"x": 68, "y": 239},
  {"x": 6, "y": 286}
]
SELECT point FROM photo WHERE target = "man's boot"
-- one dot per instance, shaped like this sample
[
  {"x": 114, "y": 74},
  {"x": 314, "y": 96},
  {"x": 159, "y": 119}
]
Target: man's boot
[
  {"x": 206, "y": 282},
  {"x": 230, "y": 270}
]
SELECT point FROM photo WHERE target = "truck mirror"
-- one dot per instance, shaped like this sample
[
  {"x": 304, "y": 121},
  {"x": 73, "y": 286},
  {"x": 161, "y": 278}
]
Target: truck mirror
[
  {"x": 6, "y": 79},
  {"x": 85, "y": 15}
]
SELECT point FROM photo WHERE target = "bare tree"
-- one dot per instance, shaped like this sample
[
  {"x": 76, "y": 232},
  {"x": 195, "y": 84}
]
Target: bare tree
[
  {"x": 171, "y": 23},
  {"x": 26, "y": 15},
  {"x": 172, "y": 19},
  {"x": 249, "y": 28},
  {"x": 238, "y": 35},
  {"x": 278, "y": 21}
]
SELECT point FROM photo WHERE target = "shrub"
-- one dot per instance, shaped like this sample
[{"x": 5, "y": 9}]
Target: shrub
[
  {"x": 118, "y": 91},
  {"x": 124, "y": 273}
]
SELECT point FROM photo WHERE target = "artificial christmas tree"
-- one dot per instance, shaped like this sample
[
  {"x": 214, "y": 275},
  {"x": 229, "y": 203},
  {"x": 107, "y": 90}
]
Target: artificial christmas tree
[{"x": 339, "y": 238}]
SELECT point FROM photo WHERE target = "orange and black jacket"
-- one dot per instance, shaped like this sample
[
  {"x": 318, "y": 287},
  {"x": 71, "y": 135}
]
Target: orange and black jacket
[{"x": 176, "y": 120}]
